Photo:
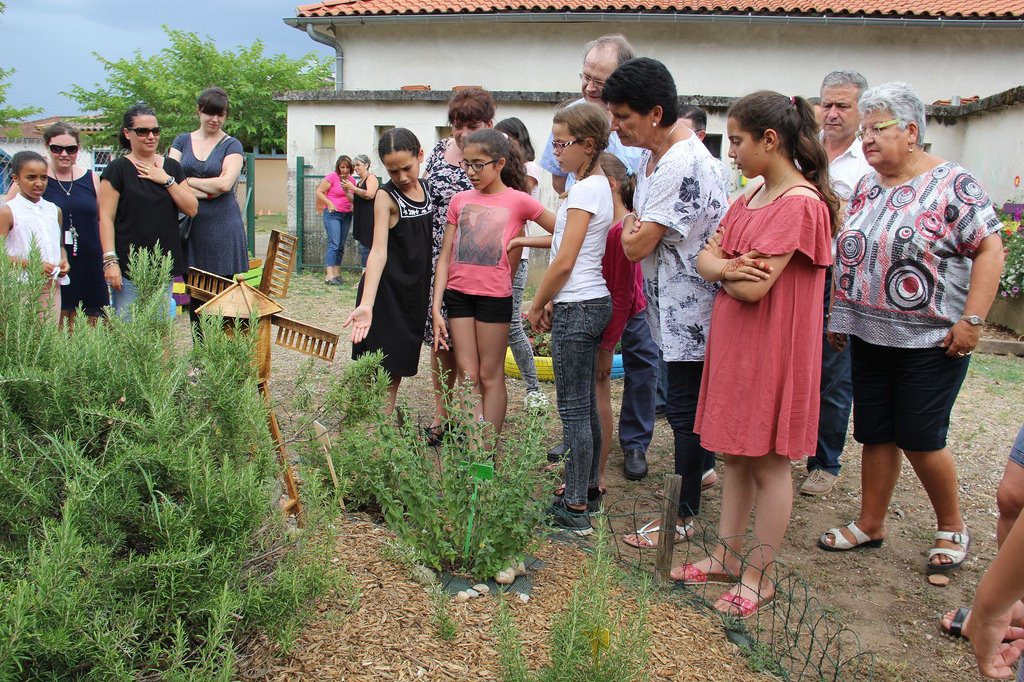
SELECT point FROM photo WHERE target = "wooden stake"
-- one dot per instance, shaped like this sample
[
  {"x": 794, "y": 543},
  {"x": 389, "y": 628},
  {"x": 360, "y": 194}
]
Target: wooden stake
[
  {"x": 325, "y": 441},
  {"x": 293, "y": 506},
  {"x": 667, "y": 534}
]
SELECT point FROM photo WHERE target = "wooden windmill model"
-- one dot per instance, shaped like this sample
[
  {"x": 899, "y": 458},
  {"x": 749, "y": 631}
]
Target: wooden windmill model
[{"x": 237, "y": 302}]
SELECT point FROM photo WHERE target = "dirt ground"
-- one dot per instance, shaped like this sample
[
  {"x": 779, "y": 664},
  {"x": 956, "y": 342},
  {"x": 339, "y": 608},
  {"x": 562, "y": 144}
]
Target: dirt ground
[{"x": 883, "y": 595}]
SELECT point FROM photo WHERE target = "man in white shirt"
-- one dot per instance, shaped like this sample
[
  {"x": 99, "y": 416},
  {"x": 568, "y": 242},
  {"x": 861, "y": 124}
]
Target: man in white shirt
[
  {"x": 840, "y": 92},
  {"x": 639, "y": 352}
]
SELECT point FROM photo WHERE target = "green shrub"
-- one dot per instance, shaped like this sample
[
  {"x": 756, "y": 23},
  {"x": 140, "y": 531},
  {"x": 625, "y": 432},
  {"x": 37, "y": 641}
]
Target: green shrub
[
  {"x": 138, "y": 530},
  {"x": 425, "y": 493},
  {"x": 589, "y": 641}
]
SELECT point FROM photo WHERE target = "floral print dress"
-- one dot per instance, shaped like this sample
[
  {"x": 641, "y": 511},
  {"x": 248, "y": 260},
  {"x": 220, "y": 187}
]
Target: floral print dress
[{"x": 445, "y": 181}]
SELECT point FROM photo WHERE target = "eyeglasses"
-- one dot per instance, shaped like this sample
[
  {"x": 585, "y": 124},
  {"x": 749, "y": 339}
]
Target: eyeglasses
[
  {"x": 875, "y": 130},
  {"x": 477, "y": 166},
  {"x": 144, "y": 132},
  {"x": 559, "y": 146},
  {"x": 57, "y": 149},
  {"x": 590, "y": 80}
]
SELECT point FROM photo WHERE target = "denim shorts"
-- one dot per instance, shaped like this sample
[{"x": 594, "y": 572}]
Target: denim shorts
[
  {"x": 1017, "y": 450},
  {"x": 481, "y": 308},
  {"x": 903, "y": 395}
]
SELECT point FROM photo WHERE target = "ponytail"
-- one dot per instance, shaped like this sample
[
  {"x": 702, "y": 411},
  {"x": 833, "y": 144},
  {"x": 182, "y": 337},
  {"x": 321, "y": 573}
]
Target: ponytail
[
  {"x": 500, "y": 146},
  {"x": 617, "y": 171},
  {"x": 792, "y": 118}
]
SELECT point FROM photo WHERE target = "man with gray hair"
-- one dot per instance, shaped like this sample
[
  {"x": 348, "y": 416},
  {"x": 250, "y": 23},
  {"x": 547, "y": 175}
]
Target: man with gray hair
[
  {"x": 639, "y": 352},
  {"x": 840, "y": 92}
]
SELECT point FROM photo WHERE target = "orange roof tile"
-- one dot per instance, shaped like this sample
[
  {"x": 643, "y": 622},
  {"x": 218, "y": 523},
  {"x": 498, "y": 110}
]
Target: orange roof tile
[{"x": 893, "y": 8}]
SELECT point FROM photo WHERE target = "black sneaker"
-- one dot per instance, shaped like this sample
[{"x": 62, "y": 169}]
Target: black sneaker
[
  {"x": 595, "y": 496},
  {"x": 561, "y": 517},
  {"x": 558, "y": 453}
]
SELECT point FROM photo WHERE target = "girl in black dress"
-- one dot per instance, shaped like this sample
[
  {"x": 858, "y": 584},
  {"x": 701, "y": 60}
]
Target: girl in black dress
[{"x": 393, "y": 293}]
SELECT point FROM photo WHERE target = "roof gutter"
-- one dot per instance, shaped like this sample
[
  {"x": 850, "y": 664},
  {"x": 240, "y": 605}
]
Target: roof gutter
[
  {"x": 339, "y": 56},
  {"x": 304, "y": 23}
]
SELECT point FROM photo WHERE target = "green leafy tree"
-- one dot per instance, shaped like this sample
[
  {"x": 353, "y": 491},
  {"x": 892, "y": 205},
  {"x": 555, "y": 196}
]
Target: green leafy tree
[
  {"x": 9, "y": 114},
  {"x": 170, "y": 81}
]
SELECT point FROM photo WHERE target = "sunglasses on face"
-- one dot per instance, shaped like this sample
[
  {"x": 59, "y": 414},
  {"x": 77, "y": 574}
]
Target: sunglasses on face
[
  {"x": 144, "y": 132},
  {"x": 56, "y": 149},
  {"x": 559, "y": 146}
]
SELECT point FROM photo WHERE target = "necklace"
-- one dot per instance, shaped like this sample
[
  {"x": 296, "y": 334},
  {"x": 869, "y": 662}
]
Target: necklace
[
  {"x": 60, "y": 184},
  {"x": 779, "y": 183},
  {"x": 665, "y": 141}
]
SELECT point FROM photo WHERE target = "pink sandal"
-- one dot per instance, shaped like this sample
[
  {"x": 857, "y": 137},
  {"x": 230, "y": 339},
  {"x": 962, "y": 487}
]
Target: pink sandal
[
  {"x": 747, "y": 607},
  {"x": 694, "y": 576}
]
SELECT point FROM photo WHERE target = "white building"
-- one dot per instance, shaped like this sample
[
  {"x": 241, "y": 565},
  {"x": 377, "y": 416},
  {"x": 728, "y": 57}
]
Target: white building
[{"x": 528, "y": 56}]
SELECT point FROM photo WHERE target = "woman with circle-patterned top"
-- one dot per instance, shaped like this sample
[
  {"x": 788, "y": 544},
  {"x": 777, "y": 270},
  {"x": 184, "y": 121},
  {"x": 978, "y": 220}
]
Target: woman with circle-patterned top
[
  {"x": 917, "y": 266},
  {"x": 212, "y": 160},
  {"x": 469, "y": 110}
]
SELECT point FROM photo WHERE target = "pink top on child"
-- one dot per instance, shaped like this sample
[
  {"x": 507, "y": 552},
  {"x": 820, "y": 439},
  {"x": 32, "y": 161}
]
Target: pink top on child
[
  {"x": 484, "y": 225},
  {"x": 337, "y": 194},
  {"x": 625, "y": 281}
]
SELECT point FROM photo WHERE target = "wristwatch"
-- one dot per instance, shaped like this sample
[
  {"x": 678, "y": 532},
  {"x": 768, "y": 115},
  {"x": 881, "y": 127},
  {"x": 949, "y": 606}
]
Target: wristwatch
[
  {"x": 168, "y": 182},
  {"x": 976, "y": 320}
]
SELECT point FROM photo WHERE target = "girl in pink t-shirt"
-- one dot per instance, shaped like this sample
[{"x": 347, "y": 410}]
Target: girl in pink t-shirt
[{"x": 474, "y": 270}]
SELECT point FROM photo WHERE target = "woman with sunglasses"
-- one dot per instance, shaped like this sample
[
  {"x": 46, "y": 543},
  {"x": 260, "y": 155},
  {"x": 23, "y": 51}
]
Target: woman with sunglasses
[{"x": 141, "y": 194}]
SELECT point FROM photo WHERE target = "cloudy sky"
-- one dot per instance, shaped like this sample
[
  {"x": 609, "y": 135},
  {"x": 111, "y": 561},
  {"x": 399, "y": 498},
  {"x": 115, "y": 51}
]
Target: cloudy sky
[{"x": 51, "y": 42}]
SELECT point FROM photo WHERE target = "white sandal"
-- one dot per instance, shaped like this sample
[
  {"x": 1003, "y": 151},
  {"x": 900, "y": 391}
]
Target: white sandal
[
  {"x": 956, "y": 556},
  {"x": 649, "y": 529},
  {"x": 841, "y": 544}
]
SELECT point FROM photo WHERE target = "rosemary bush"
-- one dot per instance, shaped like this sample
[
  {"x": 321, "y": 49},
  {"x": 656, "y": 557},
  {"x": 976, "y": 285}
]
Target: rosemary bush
[
  {"x": 138, "y": 531},
  {"x": 425, "y": 493},
  {"x": 1011, "y": 280},
  {"x": 589, "y": 642}
]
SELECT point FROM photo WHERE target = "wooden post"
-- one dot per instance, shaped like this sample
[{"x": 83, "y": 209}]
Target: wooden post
[
  {"x": 667, "y": 534},
  {"x": 294, "y": 505}
]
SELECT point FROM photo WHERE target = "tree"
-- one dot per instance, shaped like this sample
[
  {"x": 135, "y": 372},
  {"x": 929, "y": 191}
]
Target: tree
[
  {"x": 9, "y": 114},
  {"x": 170, "y": 81}
]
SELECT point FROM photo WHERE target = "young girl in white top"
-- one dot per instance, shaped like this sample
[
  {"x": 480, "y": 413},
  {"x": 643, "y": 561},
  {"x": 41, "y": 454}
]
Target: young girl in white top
[
  {"x": 28, "y": 219},
  {"x": 574, "y": 303}
]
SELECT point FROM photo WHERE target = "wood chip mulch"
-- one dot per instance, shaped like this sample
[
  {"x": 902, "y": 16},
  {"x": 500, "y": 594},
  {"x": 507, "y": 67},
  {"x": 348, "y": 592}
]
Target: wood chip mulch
[{"x": 379, "y": 626}]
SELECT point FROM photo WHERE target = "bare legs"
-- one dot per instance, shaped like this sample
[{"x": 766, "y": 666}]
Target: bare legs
[
  {"x": 763, "y": 484},
  {"x": 880, "y": 469},
  {"x": 442, "y": 368},
  {"x": 480, "y": 354}
]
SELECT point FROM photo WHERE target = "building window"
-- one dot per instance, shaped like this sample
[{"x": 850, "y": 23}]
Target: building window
[
  {"x": 443, "y": 133},
  {"x": 713, "y": 141},
  {"x": 325, "y": 137},
  {"x": 100, "y": 158},
  {"x": 378, "y": 131}
]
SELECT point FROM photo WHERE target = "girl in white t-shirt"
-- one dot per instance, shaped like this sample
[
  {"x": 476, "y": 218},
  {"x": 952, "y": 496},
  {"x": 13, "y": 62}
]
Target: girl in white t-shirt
[
  {"x": 29, "y": 219},
  {"x": 574, "y": 303},
  {"x": 473, "y": 277}
]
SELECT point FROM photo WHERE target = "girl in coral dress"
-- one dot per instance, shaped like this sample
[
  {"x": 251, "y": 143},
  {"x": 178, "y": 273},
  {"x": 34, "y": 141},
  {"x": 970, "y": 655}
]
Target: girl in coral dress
[{"x": 759, "y": 393}]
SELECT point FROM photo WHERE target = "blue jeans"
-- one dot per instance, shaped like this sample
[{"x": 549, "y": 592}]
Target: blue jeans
[
  {"x": 336, "y": 224},
  {"x": 522, "y": 351},
  {"x": 640, "y": 358},
  {"x": 364, "y": 253},
  {"x": 576, "y": 331},
  {"x": 691, "y": 460},
  {"x": 836, "y": 400},
  {"x": 121, "y": 300}
]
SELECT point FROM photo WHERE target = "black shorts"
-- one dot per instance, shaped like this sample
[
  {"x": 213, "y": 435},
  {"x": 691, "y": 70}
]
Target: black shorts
[
  {"x": 481, "y": 308},
  {"x": 903, "y": 395}
]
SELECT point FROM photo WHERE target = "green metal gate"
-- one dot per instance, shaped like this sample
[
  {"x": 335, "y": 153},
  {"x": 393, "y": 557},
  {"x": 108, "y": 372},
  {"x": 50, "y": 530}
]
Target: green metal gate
[{"x": 309, "y": 227}]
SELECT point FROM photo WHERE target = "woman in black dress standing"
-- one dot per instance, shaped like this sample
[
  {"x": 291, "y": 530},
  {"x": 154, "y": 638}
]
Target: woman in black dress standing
[{"x": 212, "y": 160}]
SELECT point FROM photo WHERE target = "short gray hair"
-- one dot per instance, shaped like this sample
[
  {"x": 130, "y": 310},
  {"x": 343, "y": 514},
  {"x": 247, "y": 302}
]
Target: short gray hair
[
  {"x": 614, "y": 41},
  {"x": 363, "y": 159},
  {"x": 843, "y": 78},
  {"x": 900, "y": 100}
]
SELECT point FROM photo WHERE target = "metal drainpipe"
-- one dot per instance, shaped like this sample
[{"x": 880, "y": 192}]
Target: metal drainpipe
[{"x": 339, "y": 56}]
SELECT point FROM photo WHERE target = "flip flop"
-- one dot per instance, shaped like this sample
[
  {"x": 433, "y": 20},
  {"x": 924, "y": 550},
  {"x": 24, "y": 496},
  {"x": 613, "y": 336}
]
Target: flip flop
[
  {"x": 956, "y": 626},
  {"x": 694, "y": 576},
  {"x": 746, "y": 606},
  {"x": 649, "y": 529},
  {"x": 957, "y": 556},
  {"x": 841, "y": 544}
]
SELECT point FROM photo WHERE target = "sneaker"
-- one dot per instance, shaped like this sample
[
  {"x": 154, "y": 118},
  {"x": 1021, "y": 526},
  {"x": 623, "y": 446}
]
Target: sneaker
[
  {"x": 595, "y": 497},
  {"x": 561, "y": 517},
  {"x": 334, "y": 281},
  {"x": 535, "y": 401},
  {"x": 819, "y": 482}
]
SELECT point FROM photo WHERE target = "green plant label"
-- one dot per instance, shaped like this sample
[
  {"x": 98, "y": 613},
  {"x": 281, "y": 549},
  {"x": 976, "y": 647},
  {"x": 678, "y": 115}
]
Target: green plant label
[{"x": 481, "y": 472}]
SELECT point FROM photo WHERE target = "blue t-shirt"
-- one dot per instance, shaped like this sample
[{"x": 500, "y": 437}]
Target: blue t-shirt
[{"x": 628, "y": 155}]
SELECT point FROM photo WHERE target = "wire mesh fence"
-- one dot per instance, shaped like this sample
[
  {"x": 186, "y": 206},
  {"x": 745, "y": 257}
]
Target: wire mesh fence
[
  {"x": 313, "y": 236},
  {"x": 793, "y": 634}
]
